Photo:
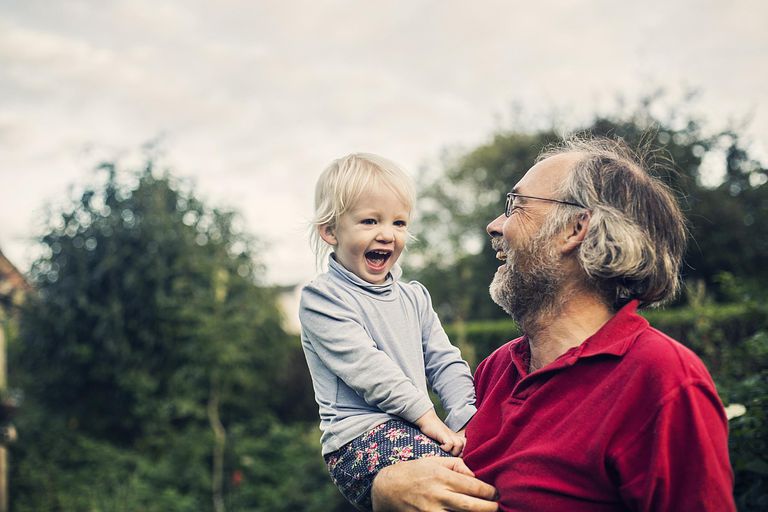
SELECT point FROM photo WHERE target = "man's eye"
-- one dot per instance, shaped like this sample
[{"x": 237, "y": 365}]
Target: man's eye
[{"x": 368, "y": 221}]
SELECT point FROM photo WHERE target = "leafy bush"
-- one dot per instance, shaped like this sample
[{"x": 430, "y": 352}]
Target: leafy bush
[
  {"x": 749, "y": 432},
  {"x": 56, "y": 468},
  {"x": 156, "y": 373},
  {"x": 477, "y": 340}
]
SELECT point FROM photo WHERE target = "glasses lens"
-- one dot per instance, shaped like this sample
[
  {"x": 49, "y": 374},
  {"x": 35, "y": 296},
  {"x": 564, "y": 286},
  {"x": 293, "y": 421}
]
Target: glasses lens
[{"x": 508, "y": 206}]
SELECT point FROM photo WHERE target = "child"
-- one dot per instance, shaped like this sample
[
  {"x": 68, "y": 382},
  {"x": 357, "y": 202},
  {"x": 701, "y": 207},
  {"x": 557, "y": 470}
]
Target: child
[{"x": 370, "y": 339}]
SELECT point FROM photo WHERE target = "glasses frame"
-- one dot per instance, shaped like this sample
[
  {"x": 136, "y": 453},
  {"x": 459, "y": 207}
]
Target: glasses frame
[{"x": 512, "y": 195}]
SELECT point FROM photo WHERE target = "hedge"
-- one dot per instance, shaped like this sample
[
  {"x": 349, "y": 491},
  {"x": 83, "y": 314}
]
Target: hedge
[{"x": 716, "y": 332}]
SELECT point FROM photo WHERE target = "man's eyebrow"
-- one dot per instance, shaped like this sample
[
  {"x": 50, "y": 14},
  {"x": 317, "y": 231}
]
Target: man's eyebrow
[{"x": 516, "y": 190}]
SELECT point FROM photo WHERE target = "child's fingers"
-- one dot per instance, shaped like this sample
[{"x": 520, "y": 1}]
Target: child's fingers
[
  {"x": 452, "y": 446},
  {"x": 460, "y": 447}
]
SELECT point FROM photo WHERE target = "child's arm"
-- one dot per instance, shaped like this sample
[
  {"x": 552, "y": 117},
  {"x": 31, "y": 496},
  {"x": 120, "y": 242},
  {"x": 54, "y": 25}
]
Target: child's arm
[
  {"x": 335, "y": 334},
  {"x": 448, "y": 374}
]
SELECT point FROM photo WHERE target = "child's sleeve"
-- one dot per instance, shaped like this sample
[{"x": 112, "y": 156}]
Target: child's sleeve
[
  {"x": 342, "y": 344},
  {"x": 448, "y": 374}
]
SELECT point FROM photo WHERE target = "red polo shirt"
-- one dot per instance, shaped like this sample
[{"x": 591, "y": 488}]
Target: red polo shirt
[{"x": 628, "y": 420}]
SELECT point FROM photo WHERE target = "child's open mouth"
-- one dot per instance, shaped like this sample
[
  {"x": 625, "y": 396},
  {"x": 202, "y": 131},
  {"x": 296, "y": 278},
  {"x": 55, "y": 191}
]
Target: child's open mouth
[{"x": 377, "y": 259}]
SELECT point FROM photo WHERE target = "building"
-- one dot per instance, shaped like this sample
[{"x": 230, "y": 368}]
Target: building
[{"x": 13, "y": 288}]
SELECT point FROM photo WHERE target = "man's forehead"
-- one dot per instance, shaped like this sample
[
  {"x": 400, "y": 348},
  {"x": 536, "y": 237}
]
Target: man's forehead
[{"x": 547, "y": 175}]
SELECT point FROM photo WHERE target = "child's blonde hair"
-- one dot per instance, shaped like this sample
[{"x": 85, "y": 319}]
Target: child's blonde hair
[{"x": 343, "y": 182}]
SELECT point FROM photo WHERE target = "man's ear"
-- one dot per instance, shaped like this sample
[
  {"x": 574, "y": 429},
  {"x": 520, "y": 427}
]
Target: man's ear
[
  {"x": 326, "y": 233},
  {"x": 576, "y": 232}
]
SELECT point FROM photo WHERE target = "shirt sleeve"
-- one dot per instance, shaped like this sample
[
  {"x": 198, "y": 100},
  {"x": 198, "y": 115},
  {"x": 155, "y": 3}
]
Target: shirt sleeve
[
  {"x": 343, "y": 345},
  {"x": 679, "y": 460},
  {"x": 447, "y": 373}
]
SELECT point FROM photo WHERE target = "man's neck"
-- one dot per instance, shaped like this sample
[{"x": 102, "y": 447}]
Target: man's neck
[{"x": 578, "y": 318}]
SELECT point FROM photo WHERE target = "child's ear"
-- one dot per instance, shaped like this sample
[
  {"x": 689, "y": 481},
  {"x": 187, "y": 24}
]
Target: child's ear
[{"x": 326, "y": 233}]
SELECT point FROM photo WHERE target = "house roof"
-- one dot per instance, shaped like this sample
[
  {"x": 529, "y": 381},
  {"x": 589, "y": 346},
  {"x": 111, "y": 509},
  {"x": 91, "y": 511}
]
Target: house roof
[{"x": 12, "y": 282}]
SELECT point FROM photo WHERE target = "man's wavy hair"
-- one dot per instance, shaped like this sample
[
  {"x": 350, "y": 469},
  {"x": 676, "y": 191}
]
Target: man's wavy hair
[{"x": 636, "y": 237}]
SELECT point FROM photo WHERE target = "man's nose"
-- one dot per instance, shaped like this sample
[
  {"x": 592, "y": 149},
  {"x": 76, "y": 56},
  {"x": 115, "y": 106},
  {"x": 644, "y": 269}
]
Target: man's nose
[{"x": 495, "y": 227}]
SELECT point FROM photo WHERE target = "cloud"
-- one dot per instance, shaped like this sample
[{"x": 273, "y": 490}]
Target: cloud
[{"x": 254, "y": 99}]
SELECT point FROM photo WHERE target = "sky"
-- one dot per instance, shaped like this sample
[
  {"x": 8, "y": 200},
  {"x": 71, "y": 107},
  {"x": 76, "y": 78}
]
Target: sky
[{"x": 250, "y": 100}]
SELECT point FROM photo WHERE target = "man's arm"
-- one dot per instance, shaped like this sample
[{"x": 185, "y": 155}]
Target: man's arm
[{"x": 431, "y": 484}]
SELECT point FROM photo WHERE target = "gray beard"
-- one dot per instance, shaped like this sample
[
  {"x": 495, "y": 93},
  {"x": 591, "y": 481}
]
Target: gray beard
[{"x": 528, "y": 286}]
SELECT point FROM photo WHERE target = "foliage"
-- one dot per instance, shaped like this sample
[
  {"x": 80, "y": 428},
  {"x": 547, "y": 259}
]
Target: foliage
[
  {"x": 458, "y": 201},
  {"x": 149, "y": 355},
  {"x": 749, "y": 433},
  {"x": 157, "y": 376},
  {"x": 58, "y": 468},
  {"x": 716, "y": 332},
  {"x": 124, "y": 356},
  {"x": 285, "y": 471}
]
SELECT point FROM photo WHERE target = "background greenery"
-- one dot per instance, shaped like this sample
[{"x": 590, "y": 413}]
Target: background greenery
[{"x": 157, "y": 377}]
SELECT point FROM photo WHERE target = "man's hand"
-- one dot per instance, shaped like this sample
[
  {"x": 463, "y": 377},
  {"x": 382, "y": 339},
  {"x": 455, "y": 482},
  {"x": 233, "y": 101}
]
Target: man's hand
[{"x": 431, "y": 484}]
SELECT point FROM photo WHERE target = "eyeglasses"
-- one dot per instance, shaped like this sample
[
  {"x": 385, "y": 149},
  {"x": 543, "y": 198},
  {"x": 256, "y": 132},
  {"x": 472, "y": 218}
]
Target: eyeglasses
[{"x": 511, "y": 197}]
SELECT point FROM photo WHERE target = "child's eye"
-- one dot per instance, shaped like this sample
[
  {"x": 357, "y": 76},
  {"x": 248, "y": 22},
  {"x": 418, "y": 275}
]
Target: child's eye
[
  {"x": 368, "y": 221},
  {"x": 401, "y": 223}
]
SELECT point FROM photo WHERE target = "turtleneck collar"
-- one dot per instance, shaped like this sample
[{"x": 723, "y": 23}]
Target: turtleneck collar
[{"x": 384, "y": 289}]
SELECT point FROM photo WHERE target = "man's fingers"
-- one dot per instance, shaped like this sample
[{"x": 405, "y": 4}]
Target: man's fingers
[
  {"x": 454, "y": 464},
  {"x": 443, "y": 483},
  {"x": 465, "y": 484},
  {"x": 462, "y": 503}
]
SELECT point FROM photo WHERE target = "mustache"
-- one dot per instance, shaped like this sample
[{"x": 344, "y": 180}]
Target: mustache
[{"x": 499, "y": 244}]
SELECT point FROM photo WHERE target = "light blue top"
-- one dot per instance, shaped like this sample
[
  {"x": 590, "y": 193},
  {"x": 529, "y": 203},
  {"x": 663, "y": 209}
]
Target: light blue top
[{"x": 371, "y": 350}]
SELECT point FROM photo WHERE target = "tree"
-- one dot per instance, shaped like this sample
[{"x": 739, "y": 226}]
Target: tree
[
  {"x": 457, "y": 202},
  {"x": 149, "y": 340}
]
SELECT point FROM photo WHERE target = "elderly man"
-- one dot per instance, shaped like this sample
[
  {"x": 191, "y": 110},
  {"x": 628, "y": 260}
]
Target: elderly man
[{"x": 592, "y": 409}]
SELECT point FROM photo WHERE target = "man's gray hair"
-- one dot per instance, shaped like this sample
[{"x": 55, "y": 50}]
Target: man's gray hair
[{"x": 636, "y": 236}]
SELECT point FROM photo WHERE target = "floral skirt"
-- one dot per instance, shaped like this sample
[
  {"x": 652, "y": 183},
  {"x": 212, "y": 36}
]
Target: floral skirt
[{"x": 354, "y": 466}]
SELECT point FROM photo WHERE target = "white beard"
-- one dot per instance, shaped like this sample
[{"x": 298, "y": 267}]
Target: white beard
[{"x": 528, "y": 285}]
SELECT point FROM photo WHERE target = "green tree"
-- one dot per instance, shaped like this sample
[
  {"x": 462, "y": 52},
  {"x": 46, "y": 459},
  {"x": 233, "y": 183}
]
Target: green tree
[
  {"x": 456, "y": 203},
  {"x": 146, "y": 351},
  {"x": 147, "y": 306}
]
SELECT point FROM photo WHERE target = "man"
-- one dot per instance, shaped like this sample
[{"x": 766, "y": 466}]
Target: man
[{"x": 592, "y": 409}]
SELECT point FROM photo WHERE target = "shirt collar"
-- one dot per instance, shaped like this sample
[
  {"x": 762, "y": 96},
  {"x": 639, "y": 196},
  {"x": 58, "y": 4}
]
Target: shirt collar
[
  {"x": 617, "y": 335},
  {"x": 614, "y": 338}
]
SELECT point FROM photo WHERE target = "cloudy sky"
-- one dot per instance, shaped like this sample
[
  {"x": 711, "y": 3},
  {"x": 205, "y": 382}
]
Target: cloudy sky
[{"x": 251, "y": 99}]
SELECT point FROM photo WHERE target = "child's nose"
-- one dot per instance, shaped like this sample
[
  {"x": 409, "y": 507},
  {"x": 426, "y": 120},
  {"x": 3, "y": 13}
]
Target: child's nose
[{"x": 385, "y": 234}]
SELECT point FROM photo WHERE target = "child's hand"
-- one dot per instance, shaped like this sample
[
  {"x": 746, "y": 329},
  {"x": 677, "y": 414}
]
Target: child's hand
[
  {"x": 449, "y": 440},
  {"x": 453, "y": 443}
]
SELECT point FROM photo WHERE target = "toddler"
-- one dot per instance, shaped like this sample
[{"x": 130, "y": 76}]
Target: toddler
[{"x": 373, "y": 342}]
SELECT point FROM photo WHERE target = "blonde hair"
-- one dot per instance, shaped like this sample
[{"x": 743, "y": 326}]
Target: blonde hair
[
  {"x": 343, "y": 182},
  {"x": 636, "y": 238}
]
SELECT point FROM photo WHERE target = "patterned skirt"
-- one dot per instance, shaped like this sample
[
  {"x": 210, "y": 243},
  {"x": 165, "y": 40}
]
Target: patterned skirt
[{"x": 354, "y": 466}]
